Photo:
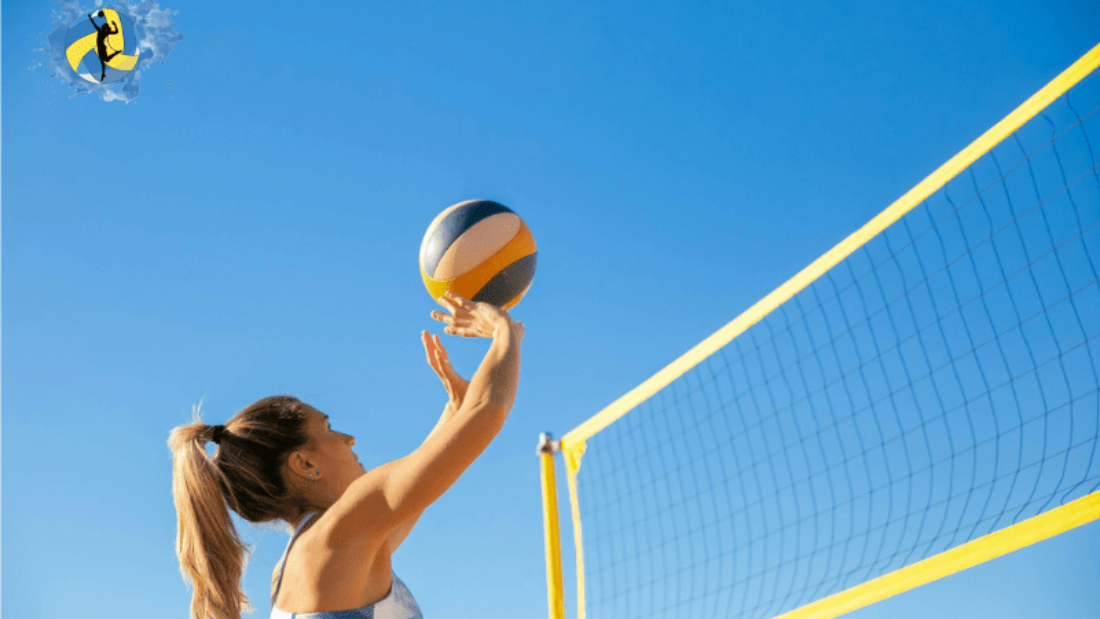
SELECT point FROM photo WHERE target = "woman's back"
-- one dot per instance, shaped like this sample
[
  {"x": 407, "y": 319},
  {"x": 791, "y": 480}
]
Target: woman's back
[{"x": 317, "y": 575}]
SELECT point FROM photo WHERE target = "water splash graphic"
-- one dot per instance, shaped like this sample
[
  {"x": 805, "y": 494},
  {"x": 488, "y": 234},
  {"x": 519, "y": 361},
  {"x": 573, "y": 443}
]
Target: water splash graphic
[{"x": 155, "y": 33}]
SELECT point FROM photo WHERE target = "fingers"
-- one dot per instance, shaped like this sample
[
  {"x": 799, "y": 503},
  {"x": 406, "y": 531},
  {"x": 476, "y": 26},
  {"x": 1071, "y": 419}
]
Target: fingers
[
  {"x": 450, "y": 300},
  {"x": 449, "y": 320},
  {"x": 439, "y": 369},
  {"x": 437, "y": 359},
  {"x": 463, "y": 331},
  {"x": 451, "y": 329},
  {"x": 434, "y": 347},
  {"x": 440, "y": 350},
  {"x": 459, "y": 300},
  {"x": 446, "y": 302},
  {"x": 429, "y": 347},
  {"x": 453, "y": 303},
  {"x": 437, "y": 352},
  {"x": 468, "y": 318}
]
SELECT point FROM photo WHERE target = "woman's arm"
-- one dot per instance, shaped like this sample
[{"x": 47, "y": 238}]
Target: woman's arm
[
  {"x": 429, "y": 471},
  {"x": 448, "y": 414},
  {"x": 402, "y": 531},
  {"x": 387, "y": 497},
  {"x": 456, "y": 387}
]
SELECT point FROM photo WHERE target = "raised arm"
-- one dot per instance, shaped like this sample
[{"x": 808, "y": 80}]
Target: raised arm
[{"x": 380, "y": 501}]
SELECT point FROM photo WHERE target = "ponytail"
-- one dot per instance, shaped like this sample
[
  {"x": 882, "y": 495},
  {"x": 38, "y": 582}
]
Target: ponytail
[{"x": 211, "y": 553}]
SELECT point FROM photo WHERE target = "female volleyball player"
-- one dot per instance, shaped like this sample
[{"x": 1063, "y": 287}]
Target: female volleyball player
[
  {"x": 279, "y": 459},
  {"x": 102, "y": 32}
]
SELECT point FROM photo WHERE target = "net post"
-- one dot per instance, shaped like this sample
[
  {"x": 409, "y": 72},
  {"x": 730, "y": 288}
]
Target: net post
[
  {"x": 554, "y": 590},
  {"x": 573, "y": 451}
]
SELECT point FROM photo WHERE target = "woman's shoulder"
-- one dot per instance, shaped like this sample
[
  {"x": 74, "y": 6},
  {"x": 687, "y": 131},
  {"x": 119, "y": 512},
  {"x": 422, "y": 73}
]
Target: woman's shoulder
[{"x": 322, "y": 572}]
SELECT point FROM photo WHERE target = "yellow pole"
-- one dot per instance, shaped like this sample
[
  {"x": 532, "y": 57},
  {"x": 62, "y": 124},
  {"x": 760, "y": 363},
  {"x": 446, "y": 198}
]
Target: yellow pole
[{"x": 554, "y": 590}]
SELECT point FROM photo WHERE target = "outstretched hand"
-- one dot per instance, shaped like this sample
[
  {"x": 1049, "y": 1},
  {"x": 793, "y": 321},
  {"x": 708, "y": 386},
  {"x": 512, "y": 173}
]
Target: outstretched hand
[
  {"x": 472, "y": 318},
  {"x": 467, "y": 319},
  {"x": 455, "y": 385}
]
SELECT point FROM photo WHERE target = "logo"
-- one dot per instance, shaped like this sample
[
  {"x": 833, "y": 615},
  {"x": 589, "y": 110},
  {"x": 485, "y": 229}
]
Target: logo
[
  {"x": 104, "y": 48},
  {"x": 108, "y": 51}
]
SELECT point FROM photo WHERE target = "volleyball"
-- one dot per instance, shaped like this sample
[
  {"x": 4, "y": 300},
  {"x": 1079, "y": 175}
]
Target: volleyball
[
  {"x": 119, "y": 46},
  {"x": 480, "y": 250}
]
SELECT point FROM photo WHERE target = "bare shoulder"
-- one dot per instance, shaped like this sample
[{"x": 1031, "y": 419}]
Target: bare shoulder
[{"x": 359, "y": 516}]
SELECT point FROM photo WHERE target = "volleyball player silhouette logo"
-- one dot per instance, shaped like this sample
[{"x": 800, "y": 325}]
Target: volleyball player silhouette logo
[{"x": 103, "y": 49}]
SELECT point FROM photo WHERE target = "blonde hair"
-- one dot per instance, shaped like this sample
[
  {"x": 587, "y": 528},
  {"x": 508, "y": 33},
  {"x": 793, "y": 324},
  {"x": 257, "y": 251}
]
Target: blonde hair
[{"x": 244, "y": 475}]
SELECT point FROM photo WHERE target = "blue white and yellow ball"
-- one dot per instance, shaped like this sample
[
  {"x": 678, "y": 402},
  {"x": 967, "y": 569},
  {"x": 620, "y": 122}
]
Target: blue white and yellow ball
[{"x": 480, "y": 250}]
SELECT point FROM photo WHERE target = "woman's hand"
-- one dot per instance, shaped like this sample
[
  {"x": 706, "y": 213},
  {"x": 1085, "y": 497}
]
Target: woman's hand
[
  {"x": 455, "y": 385},
  {"x": 468, "y": 319},
  {"x": 472, "y": 319}
]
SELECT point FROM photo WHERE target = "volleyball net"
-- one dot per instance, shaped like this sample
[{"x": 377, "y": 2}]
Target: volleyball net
[{"x": 920, "y": 399}]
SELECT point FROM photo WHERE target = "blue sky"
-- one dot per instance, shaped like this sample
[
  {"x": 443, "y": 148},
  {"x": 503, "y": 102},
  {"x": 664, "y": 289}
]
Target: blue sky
[{"x": 249, "y": 225}]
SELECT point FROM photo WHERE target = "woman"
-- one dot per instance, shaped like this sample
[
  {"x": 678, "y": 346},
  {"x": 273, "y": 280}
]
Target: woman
[
  {"x": 102, "y": 32},
  {"x": 279, "y": 459}
]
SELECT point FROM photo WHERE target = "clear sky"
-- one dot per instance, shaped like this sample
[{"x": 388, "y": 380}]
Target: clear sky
[{"x": 248, "y": 225}]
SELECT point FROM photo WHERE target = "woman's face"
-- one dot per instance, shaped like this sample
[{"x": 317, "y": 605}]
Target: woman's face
[{"x": 328, "y": 453}]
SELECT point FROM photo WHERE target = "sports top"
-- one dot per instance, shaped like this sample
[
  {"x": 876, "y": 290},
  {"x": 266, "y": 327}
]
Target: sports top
[{"x": 398, "y": 604}]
